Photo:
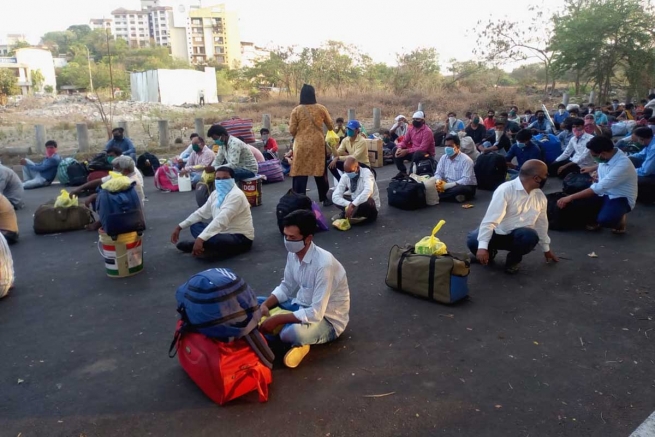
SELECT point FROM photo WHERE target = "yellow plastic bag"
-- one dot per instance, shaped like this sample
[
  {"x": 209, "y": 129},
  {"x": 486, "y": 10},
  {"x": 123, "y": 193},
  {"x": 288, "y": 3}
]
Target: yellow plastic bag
[
  {"x": 118, "y": 182},
  {"x": 208, "y": 178},
  {"x": 432, "y": 245},
  {"x": 341, "y": 224},
  {"x": 65, "y": 200},
  {"x": 275, "y": 312},
  {"x": 332, "y": 139}
]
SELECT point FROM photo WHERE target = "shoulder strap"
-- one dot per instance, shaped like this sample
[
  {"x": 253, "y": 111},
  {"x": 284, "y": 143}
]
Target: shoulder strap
[
  {"x": 433, "y": 260},
  {"x": 405, "y": 254}
]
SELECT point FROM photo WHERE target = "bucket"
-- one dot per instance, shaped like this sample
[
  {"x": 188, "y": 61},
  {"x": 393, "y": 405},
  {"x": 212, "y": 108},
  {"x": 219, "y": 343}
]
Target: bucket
[
  {"x": 184, "y": 183},
  {"x": 123, "y": 256},
  {"x": 252, "y": 188}
]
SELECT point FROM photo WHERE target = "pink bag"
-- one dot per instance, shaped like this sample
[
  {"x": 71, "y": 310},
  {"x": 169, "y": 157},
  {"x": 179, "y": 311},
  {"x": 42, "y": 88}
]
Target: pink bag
[
  {"x": 321, "y": 223},
  {"x": 240, "y": 128},
  {"x": 166, "y": 178}
]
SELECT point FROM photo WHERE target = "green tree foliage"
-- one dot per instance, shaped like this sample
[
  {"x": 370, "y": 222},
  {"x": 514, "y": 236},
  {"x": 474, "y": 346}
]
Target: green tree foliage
[
  {"x": 19, "y": 45},
  {"x": 37, "y": 80},
  {"x": 418, "y": 69},
  {"x": 8, "y": 83}
]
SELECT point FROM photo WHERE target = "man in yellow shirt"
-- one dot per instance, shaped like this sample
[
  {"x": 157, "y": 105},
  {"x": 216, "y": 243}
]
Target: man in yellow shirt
[{"x": 353, "y": 145}]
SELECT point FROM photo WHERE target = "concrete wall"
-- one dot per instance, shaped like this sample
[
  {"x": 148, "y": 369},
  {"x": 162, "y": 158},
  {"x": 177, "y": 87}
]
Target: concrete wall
[{"x": 174, "y": 87}]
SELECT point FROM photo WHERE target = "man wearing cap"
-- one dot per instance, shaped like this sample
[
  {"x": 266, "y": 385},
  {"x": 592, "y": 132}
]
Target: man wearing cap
[
  {"x": 399, "y": 129},
  {"x": 353, "y": 145},
  {"x": 417, "y": 145},
  {"x": 123, "y": 143}
]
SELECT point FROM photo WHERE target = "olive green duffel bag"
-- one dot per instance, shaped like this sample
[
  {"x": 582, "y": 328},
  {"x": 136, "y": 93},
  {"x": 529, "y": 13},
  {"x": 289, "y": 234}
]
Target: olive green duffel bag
[{"x": 439, "y": 278}]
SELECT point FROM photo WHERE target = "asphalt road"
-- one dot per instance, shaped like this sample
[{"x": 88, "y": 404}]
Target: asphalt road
[{"x": 558, "y": 350}]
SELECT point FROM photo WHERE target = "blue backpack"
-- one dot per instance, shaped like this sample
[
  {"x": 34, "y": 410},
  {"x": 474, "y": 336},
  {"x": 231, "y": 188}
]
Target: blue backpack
[
  {"x": 120, "y": 212},
  {"x": 550, "y": 146}
]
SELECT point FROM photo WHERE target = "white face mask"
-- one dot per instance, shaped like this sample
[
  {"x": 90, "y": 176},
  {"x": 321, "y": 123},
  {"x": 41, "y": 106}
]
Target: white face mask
[
  {"x": 561, "y": 111},
  {"x": 499, "y": 134},
  {"x": 264, "y": 138},
  {"x": 451, "y": 120},
  {"x": 294, "y": 246}
]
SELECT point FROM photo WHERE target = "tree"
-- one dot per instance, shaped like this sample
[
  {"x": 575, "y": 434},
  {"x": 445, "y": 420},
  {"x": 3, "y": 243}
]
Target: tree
[
  {"x": 416, "y": 69},
  {"x": 8, "y": 83},
  {"x": 59, "y": 42},
  {"x": 48, "y": 89},
  {"x": 19, "y": 45},
  {"x": 37, "y": 81},
  {"x": 80, "y": 30},
  {"x": 505, "y": 41}
]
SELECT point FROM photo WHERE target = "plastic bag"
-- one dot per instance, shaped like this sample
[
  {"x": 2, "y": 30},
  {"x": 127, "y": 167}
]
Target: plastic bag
[
  {"x": 6, "y": 268},
  {"x": 275, "y": 312},
  {"x": 332, "y": 139},
  {"x": 65, "y": 200},
  {"x": 118, "y": 182},
  {"x": 208, "y": 178},
  {"x": 432, "y": 245},
  {"x": 341, "y": 224}
]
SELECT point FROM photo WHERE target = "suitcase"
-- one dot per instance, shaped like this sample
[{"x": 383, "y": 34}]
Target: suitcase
[
  {"x": 120, "y": 212},
  {"x": 406, "y": 194},
  {"x": 223, "y": 371},
  {"x": 490, "y": 171},
  {"x": 51, "y": 220},
  {"x": 442, "y": 279}
]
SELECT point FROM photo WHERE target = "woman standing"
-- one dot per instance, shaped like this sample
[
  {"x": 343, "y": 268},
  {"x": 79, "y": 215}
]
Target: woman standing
[{"x": 309, "y": 150}]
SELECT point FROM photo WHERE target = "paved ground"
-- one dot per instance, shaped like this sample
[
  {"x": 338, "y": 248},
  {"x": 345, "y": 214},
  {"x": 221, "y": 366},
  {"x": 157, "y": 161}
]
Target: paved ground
[{"x": 559, "y": 350}]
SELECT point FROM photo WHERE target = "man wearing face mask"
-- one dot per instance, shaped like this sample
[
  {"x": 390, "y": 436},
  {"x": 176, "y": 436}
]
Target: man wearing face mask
[
  {"x": 314, "y": 291},
  {"x": 270, "y": 145},
  {"x": 119, "y": 140},
  {"x": 490, "y": 122},
  {"x": 502, "y": 142},
  {"x": 353, "y": 145},
  {"x": 516, "y": 220},
  {"x": 454, "y": 125},
  {"x": 455, "y": 169},
  {"x": 644, "y": 162},
  {"x": 561, "y": 115},
  {"x": 201, "y": 157},
  {"x": 417, "y": 145},
  {"x": 524, "y": 150},
  {"x": 614, "y": 194},
  {"x": 41, "y": 175},
  {"x": 363, "y": 204},
  {"x": 541, "y": 125},
  {"x": 230, "y": 231},
  {"x": 233, "y": 153},
  {"x": 477, "y": 132},
  {"x": 576, "y": 155}
]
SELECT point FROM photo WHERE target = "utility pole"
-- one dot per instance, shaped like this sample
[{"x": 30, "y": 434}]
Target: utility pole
[
  {"x": 88, "y": 60},
  {"x": 111, "y": 74}
]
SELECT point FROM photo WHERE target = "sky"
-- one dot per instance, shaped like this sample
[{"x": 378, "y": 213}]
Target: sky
[{"x": 381, "y": 28}]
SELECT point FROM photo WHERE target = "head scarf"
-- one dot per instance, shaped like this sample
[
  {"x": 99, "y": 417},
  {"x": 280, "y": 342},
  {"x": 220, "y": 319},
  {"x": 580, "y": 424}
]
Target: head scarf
[
  {"x": 223, "y": 187},
  {"x": 307, "y": 95}
]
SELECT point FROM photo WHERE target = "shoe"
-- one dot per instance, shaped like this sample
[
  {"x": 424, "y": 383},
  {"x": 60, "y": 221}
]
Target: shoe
[
  {"x": 294, "y": 357},
  {"x": 492, "y": 255},
  {"x": 593, "y": 228},
  {"x": 327, "y": 202},
  {"x": 512, "y": 270},
  {"x": 336, "y": 217},
  {"x": 460, "y": 198},
  {"x": 185, "y": 246},
  {"x": 357, "y": 220}
]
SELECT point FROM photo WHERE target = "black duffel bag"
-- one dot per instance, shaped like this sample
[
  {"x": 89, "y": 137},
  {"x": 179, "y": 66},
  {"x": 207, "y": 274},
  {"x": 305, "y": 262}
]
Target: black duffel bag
[
  {"x": 576, "y": 182},
  {"x": 575, "y": 215},
  {"x": 406, "y": 194}
]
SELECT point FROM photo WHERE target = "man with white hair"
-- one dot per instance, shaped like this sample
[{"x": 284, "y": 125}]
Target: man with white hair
[{"x": 417, "y": 145}]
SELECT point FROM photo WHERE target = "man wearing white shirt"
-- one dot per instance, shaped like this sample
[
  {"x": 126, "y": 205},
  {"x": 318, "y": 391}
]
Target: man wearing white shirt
[
  {"x": 576, "y": 155},
  {"x": 455, "y": 170},
  {"x": 364, "y": 201},
  {"x": 314, "y": 292},
  {"x": 230, "y": 231},
  {"x": 614, "y": 194},
  {"x": 516, "y": 219}
]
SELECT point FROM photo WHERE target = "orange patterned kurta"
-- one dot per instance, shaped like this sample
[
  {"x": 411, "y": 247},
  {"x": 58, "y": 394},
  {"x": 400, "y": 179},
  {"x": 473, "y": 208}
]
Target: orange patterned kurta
[{"x": 306, "y": 127}]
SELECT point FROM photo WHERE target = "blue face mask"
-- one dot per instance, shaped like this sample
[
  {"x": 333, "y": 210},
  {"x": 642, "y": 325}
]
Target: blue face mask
[
  {"x": 219, "y": 142},
  {"x": 223, "y": 187},
  {"x": 352, "y": 175},
  {"x": 350, "y": 133},
  {"x": 521, "y": 145},
  {"x": 450, "y": 151}
]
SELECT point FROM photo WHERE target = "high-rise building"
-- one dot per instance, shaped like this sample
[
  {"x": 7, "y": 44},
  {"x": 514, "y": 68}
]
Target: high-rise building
[
  {"x": 100, "y": 23},
  {"x": 159, "y": 18},
  {"x": 200, "y": 35},
  {"x": 132, "y": 26},
  {"x": 147, "y": 4}
]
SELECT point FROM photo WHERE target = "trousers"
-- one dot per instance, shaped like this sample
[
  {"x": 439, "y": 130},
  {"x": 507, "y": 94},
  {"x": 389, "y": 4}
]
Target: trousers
[
  {"x": 33, "y": 179},
  {"x": 519, "y": 242},
  {"x": 610, "y": 211},
  {"x": 299, "y": 185},
  {"x": 368, "y": 210},
  {"x": 224, "y": 245},
  {"x": 416, "y": 157},
  {"x": 554, "y": 167},
  {"x": 299, "y": 334},
  {"x": 468, "y": 191}
]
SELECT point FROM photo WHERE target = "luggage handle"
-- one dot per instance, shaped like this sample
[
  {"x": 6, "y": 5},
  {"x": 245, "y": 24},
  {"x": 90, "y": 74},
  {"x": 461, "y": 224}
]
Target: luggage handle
[
  {"x": 262, "y": 387},
  {"x": 102, "y": 253}
]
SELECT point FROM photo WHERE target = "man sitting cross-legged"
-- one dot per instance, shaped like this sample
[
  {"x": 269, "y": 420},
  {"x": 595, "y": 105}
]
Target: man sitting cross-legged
[
  {"x": 455, "y": 170},
  {"x": 364, "y": 201}
]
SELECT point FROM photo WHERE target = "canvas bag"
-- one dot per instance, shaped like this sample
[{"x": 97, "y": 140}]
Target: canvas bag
[
  {"x": 51, "y": 220},
  {"x": 438, "y": 278},
  {"x": 240, "y": 128}
]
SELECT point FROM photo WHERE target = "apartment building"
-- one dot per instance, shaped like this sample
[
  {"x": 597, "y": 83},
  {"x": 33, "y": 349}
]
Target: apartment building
[
  {"x": 159, "y": 18},
  {"x": 25, "y": 62},
  {"x": 100, "y": 23},
  {"x": 200, "y": 35},
  {"x": 132, "y": 26},
  {"x": 251, "y": 54}
]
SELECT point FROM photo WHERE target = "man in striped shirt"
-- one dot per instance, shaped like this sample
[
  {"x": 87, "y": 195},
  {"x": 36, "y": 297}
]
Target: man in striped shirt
[{"x": 455, "y": 173}]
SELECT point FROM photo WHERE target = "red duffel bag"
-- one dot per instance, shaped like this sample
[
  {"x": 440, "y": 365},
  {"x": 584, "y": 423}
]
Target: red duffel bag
[{"x": 240, "y": 128}]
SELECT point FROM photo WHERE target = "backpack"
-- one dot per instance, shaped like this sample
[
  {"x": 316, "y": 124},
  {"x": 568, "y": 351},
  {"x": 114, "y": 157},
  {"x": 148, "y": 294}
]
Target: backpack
[
  {"x": 62, "y": 174},
  {"x": 406, "y": 194},
  {"x": 240, "y": 128},
  {"x": 120, "y": 212},
  {"x": 550, "y": 146},
  {"x": 576, "y": 182},
  {"x": 490, "y": 171},
  {"x": 147, "y": 164},
  {"x": 289, "y": 203},
  {"x": 272, "y": 170},
  {"x": 99, "y": 162},
  {"x": 426, "y": 167},
  {"x": 77, "y": 174},
  {"x": 571, "y": 217},
  {"x": 166, "y": 178}
]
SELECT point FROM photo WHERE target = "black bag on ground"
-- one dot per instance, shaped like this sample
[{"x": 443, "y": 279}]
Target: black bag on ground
[
  {"x": 147, "y": 164},
  {"x": 576, "y": 182},
  {"x": 572, "y": 217},
  {"x": 406, "y": 194},
  {"x": 77, "y": 174},
  {"x": 99, "y": 162},
  {"x": 426, "y": 167},
  {"x": 289, "y": 203},
  {"x": 490, "y": 171}
]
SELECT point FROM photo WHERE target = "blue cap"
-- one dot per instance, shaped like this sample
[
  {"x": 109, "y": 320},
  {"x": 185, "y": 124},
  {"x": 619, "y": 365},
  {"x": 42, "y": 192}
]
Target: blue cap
[{"x": 353, "y": 124}]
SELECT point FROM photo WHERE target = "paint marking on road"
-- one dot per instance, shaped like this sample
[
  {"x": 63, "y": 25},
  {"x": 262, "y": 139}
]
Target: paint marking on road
[{"x": 647, "y": 429}]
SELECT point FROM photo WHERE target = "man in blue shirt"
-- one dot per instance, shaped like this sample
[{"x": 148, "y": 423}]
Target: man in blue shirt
[
  {"x": 524, "y": 150},
  {"x": 41, "y": 175},
  {"x": 125, "y": 144},
  {"x": 644, "y": 162},
  {"x": 542, "y": 126},
  {"x": 561, "y": 115},
  {"x": 614, "y": 193}
]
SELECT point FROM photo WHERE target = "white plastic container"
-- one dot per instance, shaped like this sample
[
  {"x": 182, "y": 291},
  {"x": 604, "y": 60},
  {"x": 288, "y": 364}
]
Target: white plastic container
[{"x": 184, "y": 183}]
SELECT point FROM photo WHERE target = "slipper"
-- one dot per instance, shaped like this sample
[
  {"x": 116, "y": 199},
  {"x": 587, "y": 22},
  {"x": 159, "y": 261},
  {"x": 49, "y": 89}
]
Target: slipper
[{"x": 593, "y": 228}]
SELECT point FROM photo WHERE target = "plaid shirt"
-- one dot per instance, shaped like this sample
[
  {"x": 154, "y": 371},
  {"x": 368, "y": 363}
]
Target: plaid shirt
[{"x": 458, "y": 170}]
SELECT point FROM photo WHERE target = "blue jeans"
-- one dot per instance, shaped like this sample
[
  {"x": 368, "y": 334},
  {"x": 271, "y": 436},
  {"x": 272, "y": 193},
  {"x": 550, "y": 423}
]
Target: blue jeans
[
  {"x": 513, "y": 174},
  {"x": 242, "y": 173},
  {"x": 298, "y": 334},
  {"x": 519, "y": 242},
  {"x": 612, "y": 211},
  {"x": 33, "y": 178},
  {"x": 195, "y": 177}
]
